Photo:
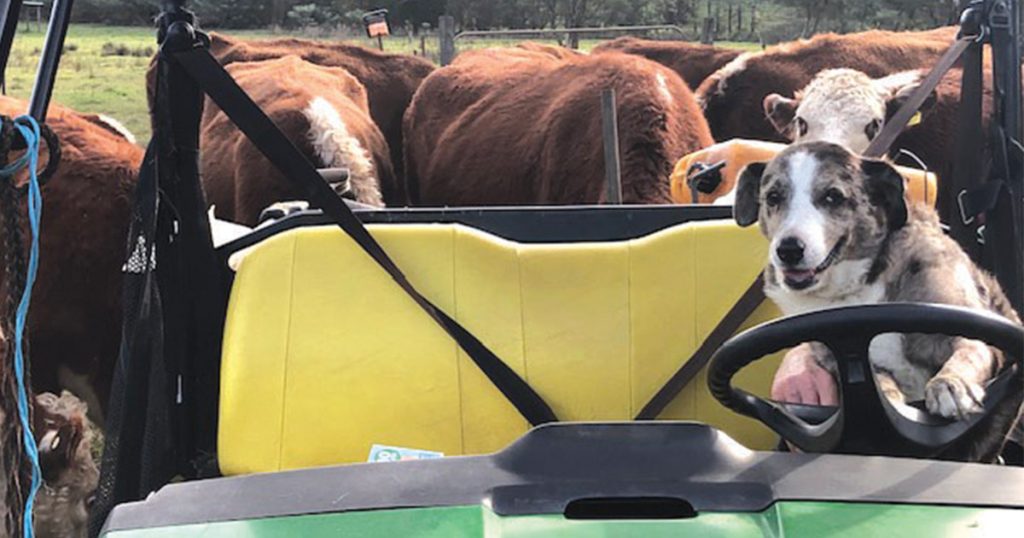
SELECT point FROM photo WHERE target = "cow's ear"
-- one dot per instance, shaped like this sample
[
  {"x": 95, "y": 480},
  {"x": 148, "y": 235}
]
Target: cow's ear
[
  {"x": 899, "y": 87},
  {"x": 748, "y": 194},
  {"x": 219, "y": 43},
  {"x": 885, "y": 189},
  {"x": 780, "y": 111}
]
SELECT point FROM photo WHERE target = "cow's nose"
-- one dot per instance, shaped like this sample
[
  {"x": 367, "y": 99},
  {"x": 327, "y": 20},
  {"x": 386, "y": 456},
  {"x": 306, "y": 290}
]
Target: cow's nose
[{"x": 790, "y": 251}]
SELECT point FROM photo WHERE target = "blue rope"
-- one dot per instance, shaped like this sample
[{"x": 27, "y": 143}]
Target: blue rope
[{"x": 29, "y": 129}]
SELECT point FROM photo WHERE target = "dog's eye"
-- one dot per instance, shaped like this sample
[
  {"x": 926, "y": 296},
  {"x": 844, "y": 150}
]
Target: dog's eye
[
  {"x": 834, "y": 198},
  {"x": 773, "y": 198},
  {"x": 871, "y": 130},
  {"x": 801, "y": 126}
]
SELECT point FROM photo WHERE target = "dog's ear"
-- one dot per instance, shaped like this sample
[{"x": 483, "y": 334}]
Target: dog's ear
[
  {"x": 885, "y": 189},
  {"x": 780, "y": 111},
  {"x": 748, "y": 194}
]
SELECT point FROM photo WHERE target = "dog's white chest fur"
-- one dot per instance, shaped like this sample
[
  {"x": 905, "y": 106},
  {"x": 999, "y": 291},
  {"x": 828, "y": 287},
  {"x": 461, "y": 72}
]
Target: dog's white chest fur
[{"x": 845, "y": 289}]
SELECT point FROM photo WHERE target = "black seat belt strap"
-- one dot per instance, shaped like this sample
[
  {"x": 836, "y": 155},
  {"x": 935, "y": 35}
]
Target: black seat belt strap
[
  {"x": 879, "y": 147},
  {"x": 265, "y": 135},
  {"x": 727, "y": 326},
  {"x": 967, "y": 162}
]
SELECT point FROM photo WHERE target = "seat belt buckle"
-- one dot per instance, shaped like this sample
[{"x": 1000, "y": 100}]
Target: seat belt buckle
[
  {"x": 703, "y": 178},
  {"x": 966, "y": 219}
]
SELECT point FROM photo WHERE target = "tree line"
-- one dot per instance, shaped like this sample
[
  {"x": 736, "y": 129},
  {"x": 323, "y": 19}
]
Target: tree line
[{"x": 766, "y": 20}]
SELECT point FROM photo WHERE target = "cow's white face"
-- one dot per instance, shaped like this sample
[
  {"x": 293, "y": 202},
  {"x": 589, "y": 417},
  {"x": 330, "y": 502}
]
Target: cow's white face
[{"x": 841, "y": 106}]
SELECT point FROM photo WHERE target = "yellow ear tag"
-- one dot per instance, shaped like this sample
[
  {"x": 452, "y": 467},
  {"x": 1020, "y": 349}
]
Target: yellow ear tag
[{"x": 914, "y": 120}]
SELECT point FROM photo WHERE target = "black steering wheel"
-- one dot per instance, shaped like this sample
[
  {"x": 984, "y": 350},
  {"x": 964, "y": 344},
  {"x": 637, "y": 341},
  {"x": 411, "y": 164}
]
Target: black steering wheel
[{"x": 866, "y": 422}]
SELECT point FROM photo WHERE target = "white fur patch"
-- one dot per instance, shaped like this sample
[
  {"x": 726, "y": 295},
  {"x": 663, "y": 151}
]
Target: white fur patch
[
  {"x": 663, "y": 88},
  {"x": 803, "y": 220},
  {"x": 736, "y": 65},
  {"x": 337, "y": 148},
  {"x": 117, "y": 127},
  {"x": 965, "y": 281},
  {"x": 839, "y": 105},
  {"x": 887, "y": 352},
  {"x": 895, "y": 82}
]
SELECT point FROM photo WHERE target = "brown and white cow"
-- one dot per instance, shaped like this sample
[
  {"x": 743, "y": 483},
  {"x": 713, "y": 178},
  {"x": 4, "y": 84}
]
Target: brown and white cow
[
  {"x": 692, "y": 61},
  {"x": 732, "y": 97},
  {"x": 512, "y": 126},
  {"x": 322, "y": 110},
  {"x": 74, "y": 324},
  {"x": 112, "y": 125},
  {"x": 849, "y": 108},
  {"x": 390, "y": 81}
]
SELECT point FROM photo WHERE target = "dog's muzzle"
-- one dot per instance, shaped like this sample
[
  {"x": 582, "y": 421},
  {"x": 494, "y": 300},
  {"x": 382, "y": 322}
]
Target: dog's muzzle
[{"x": 801, "y": 279}]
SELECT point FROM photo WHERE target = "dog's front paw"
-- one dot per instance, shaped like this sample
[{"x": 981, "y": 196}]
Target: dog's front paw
[{"x": 953, "y": 397}]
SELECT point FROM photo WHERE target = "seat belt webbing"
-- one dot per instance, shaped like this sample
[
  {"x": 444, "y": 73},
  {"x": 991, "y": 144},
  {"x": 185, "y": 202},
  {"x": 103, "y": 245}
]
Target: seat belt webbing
[
  {"x": 265, "y": 135},
  {"x": 892, "y": 129},
  {"x": 730, "y": 323}
]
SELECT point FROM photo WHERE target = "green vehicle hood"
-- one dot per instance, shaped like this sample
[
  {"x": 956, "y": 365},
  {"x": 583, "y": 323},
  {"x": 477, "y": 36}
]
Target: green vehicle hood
[
  {"x": 787, "y": 519},
  {"x": 600, "y": 480}
]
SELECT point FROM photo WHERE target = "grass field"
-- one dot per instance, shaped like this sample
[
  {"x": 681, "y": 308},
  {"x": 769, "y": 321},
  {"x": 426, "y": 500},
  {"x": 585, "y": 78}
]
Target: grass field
[{"x": 103, "y": 68}]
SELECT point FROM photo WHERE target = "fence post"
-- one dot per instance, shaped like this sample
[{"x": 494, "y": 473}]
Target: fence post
[
  {"x": 612, "y": 168},
  {"x": 707, "y": 34},
  {"x": 446, "y": 33}
]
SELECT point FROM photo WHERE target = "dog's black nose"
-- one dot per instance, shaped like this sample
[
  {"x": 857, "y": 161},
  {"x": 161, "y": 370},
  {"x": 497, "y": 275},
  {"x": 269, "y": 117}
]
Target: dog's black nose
[{"x": 790, "y": 251}]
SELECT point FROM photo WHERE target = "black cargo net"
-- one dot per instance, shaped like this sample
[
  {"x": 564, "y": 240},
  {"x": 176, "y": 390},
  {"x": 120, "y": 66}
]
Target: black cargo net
[{"x": 162, "y": 413}]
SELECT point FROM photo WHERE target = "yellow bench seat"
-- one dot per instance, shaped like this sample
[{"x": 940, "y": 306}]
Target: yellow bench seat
[{"x": 324, "y": 355}]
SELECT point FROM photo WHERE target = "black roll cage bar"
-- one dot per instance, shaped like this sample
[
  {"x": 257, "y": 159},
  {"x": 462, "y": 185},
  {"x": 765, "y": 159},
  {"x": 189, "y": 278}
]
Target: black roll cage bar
[
  {"x": 49, "y": 61},
  {"x": 997, "y": 22}
]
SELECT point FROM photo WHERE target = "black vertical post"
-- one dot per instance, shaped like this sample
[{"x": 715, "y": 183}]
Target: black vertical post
[
  {"x": 60, "y": 17},
  {"x": 190, "y": 284},
  {"x": 446, "y": 33},
  {"x": 612, "y": 166},
  {"x": 10, "y": 10},
  {"x": 163, "y": 418},
  {"x": 1005, "y": 223}
]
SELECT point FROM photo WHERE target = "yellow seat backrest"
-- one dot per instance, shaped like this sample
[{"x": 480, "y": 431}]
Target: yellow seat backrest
[{"x": 324, "y": 355}]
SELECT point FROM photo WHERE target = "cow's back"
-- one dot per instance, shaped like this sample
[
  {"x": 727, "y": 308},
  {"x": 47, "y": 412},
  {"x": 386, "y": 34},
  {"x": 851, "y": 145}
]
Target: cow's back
[
  {"x": 519, "y": 132},
  {"x": 390, "y": 80},
  {"x": 238, "y": 179},
  {"x": 691, "y": 61}
]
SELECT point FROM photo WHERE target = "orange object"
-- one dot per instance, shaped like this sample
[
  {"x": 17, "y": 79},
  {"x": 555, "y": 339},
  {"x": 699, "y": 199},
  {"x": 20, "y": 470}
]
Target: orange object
[
  {"x": 378, "y": 29},
  {"x": 736, "y": 154}
]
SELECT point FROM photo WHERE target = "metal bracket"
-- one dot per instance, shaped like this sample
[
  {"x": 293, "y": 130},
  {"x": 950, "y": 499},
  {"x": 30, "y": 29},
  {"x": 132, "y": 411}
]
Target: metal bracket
[{"x": 967, "y": 220}]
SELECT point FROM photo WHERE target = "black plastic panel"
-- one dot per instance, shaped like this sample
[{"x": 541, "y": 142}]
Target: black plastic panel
[
  {"x": 553, "y": 465},
  {"x": 542, "y": 224}
]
